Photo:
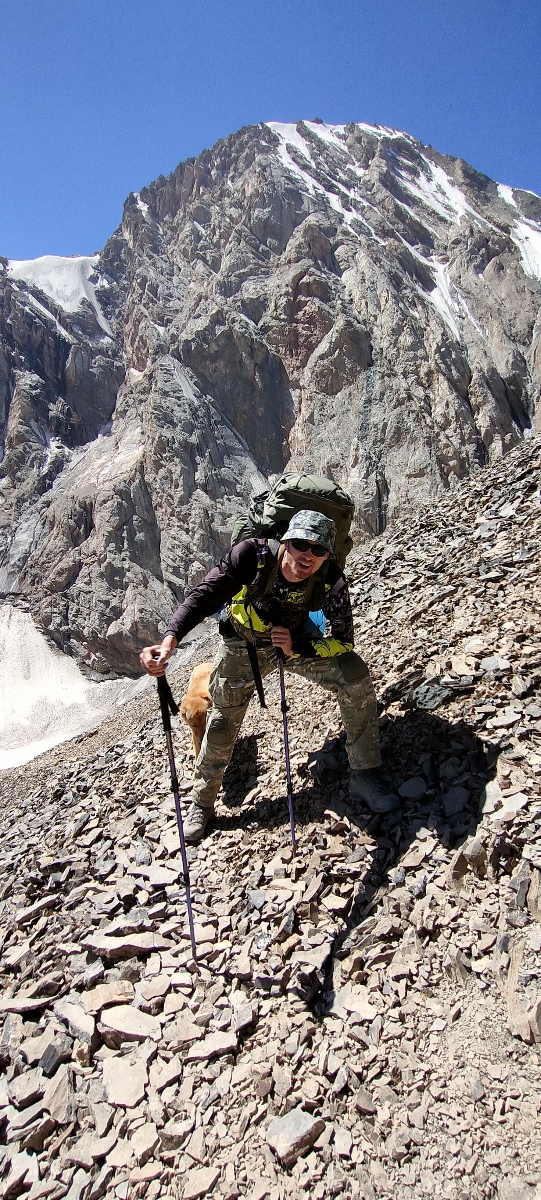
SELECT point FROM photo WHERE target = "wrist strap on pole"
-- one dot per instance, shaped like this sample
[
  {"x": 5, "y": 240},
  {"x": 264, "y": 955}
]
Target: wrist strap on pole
[{"x": 254, "y": 663}]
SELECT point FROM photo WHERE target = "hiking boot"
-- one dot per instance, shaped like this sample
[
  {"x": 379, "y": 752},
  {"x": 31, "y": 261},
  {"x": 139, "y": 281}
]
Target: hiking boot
[
  {"x": 365, "y": 786},
  {"x": 196, "y": 822}
]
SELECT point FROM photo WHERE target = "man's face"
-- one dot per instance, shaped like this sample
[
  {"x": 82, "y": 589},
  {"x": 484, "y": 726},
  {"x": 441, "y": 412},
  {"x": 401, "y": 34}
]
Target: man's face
[{"x": 297, "y": 565}]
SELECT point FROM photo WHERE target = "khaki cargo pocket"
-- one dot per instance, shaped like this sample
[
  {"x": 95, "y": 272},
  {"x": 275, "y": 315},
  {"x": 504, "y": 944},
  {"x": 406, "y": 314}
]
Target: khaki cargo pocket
[
  {"x": 219, "y": 734},
  {"x": 230, "y": 693},
  {"x": 352, "y": 667}
]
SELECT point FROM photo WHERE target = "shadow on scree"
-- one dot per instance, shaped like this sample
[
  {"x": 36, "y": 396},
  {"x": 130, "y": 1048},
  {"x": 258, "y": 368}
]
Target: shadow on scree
[{"x": 451, "y": 766}]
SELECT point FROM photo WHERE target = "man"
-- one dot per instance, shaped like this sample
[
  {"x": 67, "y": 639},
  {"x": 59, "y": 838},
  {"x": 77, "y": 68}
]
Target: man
[{"x": 268, "y": 592}]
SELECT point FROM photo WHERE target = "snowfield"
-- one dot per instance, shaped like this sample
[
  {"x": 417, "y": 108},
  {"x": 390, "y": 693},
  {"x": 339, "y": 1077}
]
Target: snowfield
[{"x": 64, "y": 280}]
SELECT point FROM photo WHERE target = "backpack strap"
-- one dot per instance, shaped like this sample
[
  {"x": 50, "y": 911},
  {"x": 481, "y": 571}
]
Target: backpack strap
[{"x": 266, "y": 578}]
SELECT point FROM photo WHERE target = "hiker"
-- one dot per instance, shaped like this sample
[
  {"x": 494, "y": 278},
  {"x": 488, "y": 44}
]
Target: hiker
[{"x": 266, "y": 589}]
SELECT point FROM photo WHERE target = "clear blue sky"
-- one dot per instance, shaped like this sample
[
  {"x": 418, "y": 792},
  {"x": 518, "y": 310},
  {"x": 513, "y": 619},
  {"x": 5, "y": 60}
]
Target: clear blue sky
[{"x": 99, "y": 97}]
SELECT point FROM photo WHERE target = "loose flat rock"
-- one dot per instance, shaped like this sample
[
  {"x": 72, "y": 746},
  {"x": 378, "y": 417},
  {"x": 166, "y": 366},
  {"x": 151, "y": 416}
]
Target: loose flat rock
[
  {"x": 342, "y": 1142},
  {"x": 108, "y": 993},
  {"x": 25, "y": 1089},
  {"x": 212, "y": 1046},
  {"x": 454, "y": 800},
  {"x": 150, "y": 1171},
  {"x": 78, "y": 1184},
  {"x": 314, "y": 888},
  {"x": 24, "y": 1004},
  {"x": 89, "y": 1148},
  {"x": 131, "y": 1023},
  {"x": 33, "y": 1047},
  {"x": 172, "y": 1004},
  {"x": 21, "y": 1119},
  {"x": 144, "y": 1142},
  {"x": 23, "y": 1168},
  {"x": 244, "y": 1017},
  {"x": 80, "y": 1024},
  {"x": 156, "y": 987},
  {"x": 353, "y": 999},
  {"x": 196, "y": 1147},
  {"x": 125, "y": 947},
  {"x": 173, "y": 1133},
  {"x": 515, "y": 1187},
  {"x": 492, "y": 796},
  {"x": 335, "y": 903},
  {"x": 160, "y": 877},
  {"x": 58, "y": 1096},
  {"x": 182, "y": 1030},
  {"x": 364, "y": 1103},
  {"x": 413, "y": 789},
  {"x": 162, "y": 1074},
  {"x": 124, "y": 1082},
  {"x": 359, "y": 1004},
  {"x": 316, "y": 956},
  {"x": 24, "y": 916},
  {"x": 121, "y": 1155},
  {"x": 291, "y": 1135},
  {"x": 58, "y": 1050},
  {"x": 199, "y": 1182}
]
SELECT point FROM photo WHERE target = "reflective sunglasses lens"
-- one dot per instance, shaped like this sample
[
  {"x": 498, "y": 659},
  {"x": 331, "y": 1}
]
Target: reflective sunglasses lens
[{"x": 302, "y": 545}]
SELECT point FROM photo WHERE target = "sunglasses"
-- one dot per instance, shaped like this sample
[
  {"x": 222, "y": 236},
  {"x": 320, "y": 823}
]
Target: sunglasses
[{"x": 302, "y": 545}]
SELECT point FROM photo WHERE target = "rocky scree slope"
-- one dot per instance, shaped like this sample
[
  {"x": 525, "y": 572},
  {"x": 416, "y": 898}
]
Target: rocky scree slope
[
  {"x": 339, "y": 299},
  {"x": 365, "y": 1020}
]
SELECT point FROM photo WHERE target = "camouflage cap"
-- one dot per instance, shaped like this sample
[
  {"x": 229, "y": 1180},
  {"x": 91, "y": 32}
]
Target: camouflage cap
[{"x": 313, "y": 527}]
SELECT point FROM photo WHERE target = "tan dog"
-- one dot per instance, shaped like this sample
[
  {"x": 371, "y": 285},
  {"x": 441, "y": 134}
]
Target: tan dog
[{"x": 196, "y": 703}]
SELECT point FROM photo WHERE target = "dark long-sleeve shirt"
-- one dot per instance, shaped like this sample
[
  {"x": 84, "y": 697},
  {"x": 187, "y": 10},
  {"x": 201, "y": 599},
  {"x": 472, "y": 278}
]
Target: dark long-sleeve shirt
[{"x": 282, "y": 605}]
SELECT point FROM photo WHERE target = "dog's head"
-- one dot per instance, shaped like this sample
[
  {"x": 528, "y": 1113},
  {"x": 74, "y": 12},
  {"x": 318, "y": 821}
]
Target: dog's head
[{"x": 193, "y": 711}]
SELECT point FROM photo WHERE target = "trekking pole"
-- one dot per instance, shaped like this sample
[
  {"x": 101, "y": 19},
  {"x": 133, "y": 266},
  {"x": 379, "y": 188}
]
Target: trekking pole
[
  {"x": 284, "y": 707},
  {"x": 168, "y": 705}
]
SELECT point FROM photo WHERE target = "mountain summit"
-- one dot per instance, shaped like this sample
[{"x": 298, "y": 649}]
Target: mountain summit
[{"x": 340, "y": 299}]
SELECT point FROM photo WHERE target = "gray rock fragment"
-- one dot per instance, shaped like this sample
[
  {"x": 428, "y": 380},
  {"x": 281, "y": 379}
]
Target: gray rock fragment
[
  {"x": 58, "y": 1051},
  {"x": 455, "y": 800},
  {"x": 291, "y": 1135},
  {"x": 516, "y": 1187},
  {"x": 413, "y": 788}
]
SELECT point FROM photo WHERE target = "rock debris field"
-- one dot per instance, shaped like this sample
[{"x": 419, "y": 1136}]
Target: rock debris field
[{"x": 365, "y": 1017}]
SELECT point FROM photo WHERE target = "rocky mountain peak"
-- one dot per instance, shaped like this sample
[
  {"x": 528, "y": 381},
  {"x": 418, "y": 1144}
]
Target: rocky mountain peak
[{"x": 340, "y": 299}]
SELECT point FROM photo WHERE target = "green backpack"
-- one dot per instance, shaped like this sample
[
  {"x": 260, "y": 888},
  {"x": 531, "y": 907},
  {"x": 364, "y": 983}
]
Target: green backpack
[{"x": 270, "y": 512}]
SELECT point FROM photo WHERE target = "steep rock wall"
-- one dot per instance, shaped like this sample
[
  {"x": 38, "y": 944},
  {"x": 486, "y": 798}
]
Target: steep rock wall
[{"x": 338, "y": 299}]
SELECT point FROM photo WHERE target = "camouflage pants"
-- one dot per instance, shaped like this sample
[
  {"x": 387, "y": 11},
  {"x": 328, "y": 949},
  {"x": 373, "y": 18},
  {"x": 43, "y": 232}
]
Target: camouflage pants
[{"x": 231, "y": 687}]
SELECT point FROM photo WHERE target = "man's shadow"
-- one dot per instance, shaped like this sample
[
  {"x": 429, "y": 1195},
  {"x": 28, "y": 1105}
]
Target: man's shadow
[
  {"x": 448, "y": 766},
  {"x": 241, "y": 773},
  {"x": 444, "y": 766},
  {"x": 248, "y": 761},
  {"x": 451, "y": 768}
]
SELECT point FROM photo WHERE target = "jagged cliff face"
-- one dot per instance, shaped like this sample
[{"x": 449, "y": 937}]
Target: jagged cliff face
[{"x": 336, "y": 299}]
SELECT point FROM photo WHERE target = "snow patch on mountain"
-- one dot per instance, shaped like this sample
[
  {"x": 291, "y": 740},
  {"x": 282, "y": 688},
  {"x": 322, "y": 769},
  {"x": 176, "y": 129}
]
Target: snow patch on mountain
[
  {"x": 506, "y": 194},
  {"x": 141, "y": 204},
  {"x": 442, "y": 298},
  {"x": 334, "y": 136},
  {"x": 437, "y": 192},
  {"x": 44, "y": 697},
  {"x": 528, "y": 240},
  {"x": 67, "y": 281}
]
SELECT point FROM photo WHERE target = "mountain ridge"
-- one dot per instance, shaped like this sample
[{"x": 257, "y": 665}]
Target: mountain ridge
[{"x": 338, "y": 299}]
